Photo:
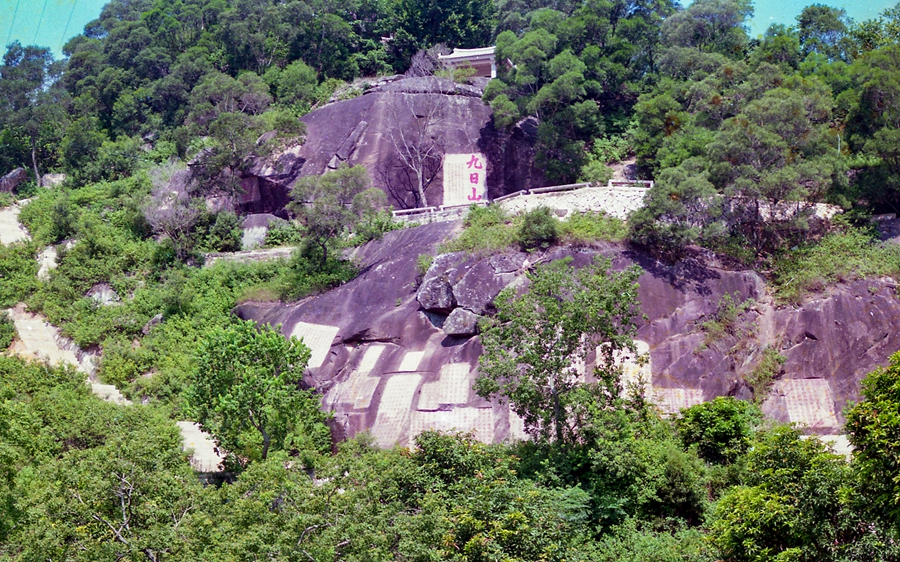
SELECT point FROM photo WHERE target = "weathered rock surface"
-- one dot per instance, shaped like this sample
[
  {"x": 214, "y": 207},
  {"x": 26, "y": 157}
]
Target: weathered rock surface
[
  {"x": 368, "y": 129},
  {"x": 461, "y": 322},
  {"x": 255, "y": 227},
  {"x": 364, "y": 130},
  {"x": 52, "y": 180},
  {"x": 388, "y": 365},
  {"x": 11, "y": 181},
  {"x": 104, "y": 294}
]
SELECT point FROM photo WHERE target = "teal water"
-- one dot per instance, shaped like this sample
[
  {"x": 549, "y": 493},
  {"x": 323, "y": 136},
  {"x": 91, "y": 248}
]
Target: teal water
[{"x": 50, "y": 23}]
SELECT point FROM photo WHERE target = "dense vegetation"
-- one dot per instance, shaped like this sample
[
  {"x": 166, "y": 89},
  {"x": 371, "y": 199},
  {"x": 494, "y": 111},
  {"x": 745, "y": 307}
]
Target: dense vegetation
[
  {"x": 82, "y": 479},
  {"x": 742, "y": 136}
]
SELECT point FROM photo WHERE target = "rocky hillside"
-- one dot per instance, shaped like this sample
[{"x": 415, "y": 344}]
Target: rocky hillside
[
  {"x": 424, "y": 115},
  {"x": 396, "y": 352}
]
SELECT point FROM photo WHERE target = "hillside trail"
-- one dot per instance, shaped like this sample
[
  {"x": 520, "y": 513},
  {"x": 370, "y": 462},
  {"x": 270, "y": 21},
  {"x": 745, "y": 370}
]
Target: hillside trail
[{"x": 40, "y": 340}]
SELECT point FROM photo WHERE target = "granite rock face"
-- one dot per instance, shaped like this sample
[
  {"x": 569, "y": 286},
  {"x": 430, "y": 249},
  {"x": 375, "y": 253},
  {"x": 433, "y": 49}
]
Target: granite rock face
[
  {"x": 371, "y": 129},
  {"x": 366, "y": 130},
  {"x": 11, "y": 181},
  {"x": 394, "y": 362}
]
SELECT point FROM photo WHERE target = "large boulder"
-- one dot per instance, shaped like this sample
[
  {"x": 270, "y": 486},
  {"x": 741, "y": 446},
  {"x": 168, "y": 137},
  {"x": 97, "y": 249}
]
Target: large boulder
[
  {"x": 52, "y": 180},
  {"x": 388, "y": 365},
  {"x": 12, "y": 180},
  {"x": 369, "y": 129},
  {"x": 461, "y": 323}
]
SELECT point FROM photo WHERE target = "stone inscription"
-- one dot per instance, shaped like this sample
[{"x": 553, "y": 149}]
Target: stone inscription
[
  {"x": 394, "y": 410},
  {"x": 452, "y": 388},
  {"x": 479, "y": 420},
  {"x": 809, "y": 402},
  {"x": 411, "y": 361},
  {"x": 318, "y": 338},
  {"x": 465, "y": 178},
  {"x": 672, "y": 400}
]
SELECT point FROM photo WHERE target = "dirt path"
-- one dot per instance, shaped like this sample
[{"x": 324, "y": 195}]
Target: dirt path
[
  {"x": 40, "y": 340},
  {"x": 10, "y": 229}
]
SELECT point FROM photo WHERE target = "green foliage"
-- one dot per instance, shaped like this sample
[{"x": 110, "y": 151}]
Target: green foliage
[
  {"x": 284, "y": 234},
  {"x": 334, "y": 203},
  {"x": 764, "y": 372},
  {"x": 532, "y": 345},
  {"x": 721, "y": 429},
  {"x": 797, "y": 504},
  {"x": 726, "y": 320},
  {"x": 583, "y": 228},
  {"x": 7, "y": 331},
  {"x": 18, "y": 273},
  {"x": 487, "y": 230},
  {"x": 220, "y": 232},
  {"x": 537, "y": 229},
  {"x": 873, "y": 426},
  {"x": 836, "y": 258},
  {"x": 245, "y": 391},
  {"x": 423, "y": 262}
]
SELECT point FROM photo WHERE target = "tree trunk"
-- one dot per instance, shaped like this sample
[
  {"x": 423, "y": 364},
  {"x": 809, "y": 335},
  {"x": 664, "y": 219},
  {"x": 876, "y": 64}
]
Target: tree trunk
[
  {"x": 556, "y": 414},
  {"x": 324, "y": 247},
  {"x": 420, "y": 177},
  {"x": 37, "y": 175},
  {"x": 266, "y": 441}
]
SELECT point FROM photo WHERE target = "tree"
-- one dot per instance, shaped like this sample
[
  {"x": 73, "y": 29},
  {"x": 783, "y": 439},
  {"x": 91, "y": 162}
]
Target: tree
[
  {"x": 416, "y": 138},
  {"x": 797, "y": 502},
  {"x": 720, "y": 429},
  {"x": 458, "y": 23},
  {"x": 824, "y": 30},
  {"x": 171, "y": 211},
  {"x": 710, "y": 26},
  {"x": 533, "y": 345},
  {"x": 31, "y": 99},
  {"x": 334, "y": 202},
  {"x": 246, "y": 391},
  {"x": 873, "y": 427},
  {"x": 775, "y": 160}
]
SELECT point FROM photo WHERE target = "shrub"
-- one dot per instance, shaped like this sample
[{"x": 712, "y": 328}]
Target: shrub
[
  {"x": 721, "y": 429},
  {"x": 588, "y": 227},
  {"x": 725, "y": 321},
  {"x": 423, "y": 263},
  {"x": 487, "y": 230},
  {"x": 762, "y": 375},
  {"x": 7, "y": 331},
  {"x": 538, "y": 229},
  {"x": 836, "y": 258},
  {"x": 18, "y": 273},
  {"x": 284, "y": 234}
]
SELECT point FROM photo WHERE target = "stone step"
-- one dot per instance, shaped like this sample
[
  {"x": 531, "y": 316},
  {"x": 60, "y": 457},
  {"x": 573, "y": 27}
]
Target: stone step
[{"x": 205, "y": 456}]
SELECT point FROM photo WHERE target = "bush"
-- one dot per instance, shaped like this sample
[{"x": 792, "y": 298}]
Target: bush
[
  {"x": 721, "y": 430},
  {"x": 762, "y": 375},
  {"x": 726, "y": 320},
  {"x": 488, "y": 230},
  {"x": 18, "y": 273},
  {"x": 284, "y": 234},
  {"x": 538, "y": 229},
  {"x": 7, "y": 331},
  {"x": 588, "y": 227}
]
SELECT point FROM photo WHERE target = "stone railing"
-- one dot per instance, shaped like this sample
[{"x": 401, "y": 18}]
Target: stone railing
[
  {"x": 247, "y": 256},
  {"x": 618, "y": 198},
  {"x": 425, "y": 215}
]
